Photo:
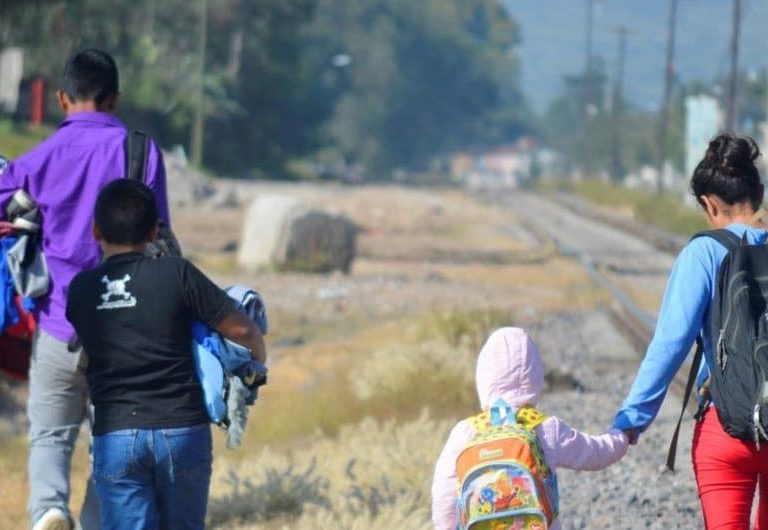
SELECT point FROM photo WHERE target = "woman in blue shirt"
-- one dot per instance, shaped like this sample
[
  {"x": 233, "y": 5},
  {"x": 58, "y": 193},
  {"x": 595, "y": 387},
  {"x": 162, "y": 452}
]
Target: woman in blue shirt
[{"x": 728, "y": 187}]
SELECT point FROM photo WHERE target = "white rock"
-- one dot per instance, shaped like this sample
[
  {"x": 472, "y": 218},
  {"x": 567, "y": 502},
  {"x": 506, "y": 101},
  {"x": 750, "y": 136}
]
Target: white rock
[{"x": 282, "y": 232}]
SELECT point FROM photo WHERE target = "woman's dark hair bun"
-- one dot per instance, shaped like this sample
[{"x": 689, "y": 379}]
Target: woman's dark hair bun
[
  {"x": 728, "y": 170},
  {"x": 733, "y": 151}
]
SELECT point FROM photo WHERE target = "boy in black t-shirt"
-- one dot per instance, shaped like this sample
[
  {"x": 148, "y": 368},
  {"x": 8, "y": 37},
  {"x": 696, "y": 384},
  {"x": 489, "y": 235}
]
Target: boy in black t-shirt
[{"x": 133, "y": 314}]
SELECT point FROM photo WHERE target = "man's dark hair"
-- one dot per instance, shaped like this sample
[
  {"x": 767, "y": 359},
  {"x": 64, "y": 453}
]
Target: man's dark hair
[
  {"x": 91, "y": 75},
  {"x": 126, "y": 212}
]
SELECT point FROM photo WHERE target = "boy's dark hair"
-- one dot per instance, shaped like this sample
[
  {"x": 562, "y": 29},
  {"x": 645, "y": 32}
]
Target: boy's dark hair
[
  {"x": 90, "y": 75},
  {"x": 126, "y": 212},
  {"x": 728, "y": 171}
]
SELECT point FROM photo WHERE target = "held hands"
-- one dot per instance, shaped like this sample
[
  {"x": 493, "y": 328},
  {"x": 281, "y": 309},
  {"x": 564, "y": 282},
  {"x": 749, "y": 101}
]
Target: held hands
[{"x": 632, "y": 435}]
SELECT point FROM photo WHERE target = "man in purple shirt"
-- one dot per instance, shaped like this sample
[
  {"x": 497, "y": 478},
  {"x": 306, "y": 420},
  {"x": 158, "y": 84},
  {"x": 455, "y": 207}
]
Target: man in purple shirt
[{"x": 64, "y": 175}]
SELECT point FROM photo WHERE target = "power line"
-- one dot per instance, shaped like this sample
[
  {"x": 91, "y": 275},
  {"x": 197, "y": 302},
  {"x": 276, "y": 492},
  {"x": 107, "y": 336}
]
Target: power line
[
  {"x": 731, "y": 94},
  {"x": 198, "y": 123},
  {"x": 669, "y": 71},
  {"x": 617, "y": 166},
  {"x": 587, "y": 92}
]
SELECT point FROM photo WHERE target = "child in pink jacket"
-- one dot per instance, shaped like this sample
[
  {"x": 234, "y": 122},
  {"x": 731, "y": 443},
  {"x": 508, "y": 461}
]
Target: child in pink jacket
[{"x": 509, "y": 367}]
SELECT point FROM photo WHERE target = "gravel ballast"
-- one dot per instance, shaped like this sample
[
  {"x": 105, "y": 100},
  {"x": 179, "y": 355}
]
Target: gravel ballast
[{"x": 635, "y": 493}]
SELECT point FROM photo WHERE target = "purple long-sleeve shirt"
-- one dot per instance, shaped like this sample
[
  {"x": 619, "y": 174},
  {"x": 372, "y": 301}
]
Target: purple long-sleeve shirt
[{"x": 64, "y": 175}]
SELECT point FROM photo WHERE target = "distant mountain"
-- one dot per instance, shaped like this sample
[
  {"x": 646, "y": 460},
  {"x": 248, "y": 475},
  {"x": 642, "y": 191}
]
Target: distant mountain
[{"x": 554, "y": 42}]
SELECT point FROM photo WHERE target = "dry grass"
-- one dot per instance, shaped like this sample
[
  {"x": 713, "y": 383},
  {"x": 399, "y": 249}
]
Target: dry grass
[
  {"x": 387, "y": 371},
  {"x": 374, "y": 473},
  {"x": 666, "y": 212},
  {"x": 15, "y": 487}
]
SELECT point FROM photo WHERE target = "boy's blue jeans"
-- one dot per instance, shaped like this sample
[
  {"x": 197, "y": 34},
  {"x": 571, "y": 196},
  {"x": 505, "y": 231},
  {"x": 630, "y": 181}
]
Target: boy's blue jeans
[{"x": 153, "y": 479}]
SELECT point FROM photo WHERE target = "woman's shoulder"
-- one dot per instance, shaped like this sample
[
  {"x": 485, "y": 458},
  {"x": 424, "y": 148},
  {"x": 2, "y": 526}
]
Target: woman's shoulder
[{"x": 701, "y": 252}]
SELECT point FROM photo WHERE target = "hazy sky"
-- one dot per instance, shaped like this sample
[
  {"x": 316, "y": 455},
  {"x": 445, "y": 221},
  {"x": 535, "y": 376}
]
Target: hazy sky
[{"x": 554, "y": 42}]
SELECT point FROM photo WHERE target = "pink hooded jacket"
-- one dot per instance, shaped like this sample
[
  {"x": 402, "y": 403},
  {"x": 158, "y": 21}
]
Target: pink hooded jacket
[{"x": 509, "y": 367}]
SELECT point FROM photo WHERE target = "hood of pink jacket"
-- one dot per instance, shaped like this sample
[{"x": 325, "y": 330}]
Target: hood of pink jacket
[{"x": 509, "y": 367}]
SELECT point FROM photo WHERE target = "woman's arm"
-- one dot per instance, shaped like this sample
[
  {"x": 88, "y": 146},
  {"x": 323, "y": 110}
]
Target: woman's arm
[{"x": 686, "y": 298}]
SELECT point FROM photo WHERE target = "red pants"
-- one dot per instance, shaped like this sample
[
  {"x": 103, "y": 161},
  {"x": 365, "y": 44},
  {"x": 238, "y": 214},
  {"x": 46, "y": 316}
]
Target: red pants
[{"x": 727, "y": 470}]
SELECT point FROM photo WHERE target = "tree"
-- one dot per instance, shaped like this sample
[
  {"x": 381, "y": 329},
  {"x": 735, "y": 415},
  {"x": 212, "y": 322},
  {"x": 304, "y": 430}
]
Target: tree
[
  {"x": 562, "y": 125},
  {"x": 426, "y": 78}
]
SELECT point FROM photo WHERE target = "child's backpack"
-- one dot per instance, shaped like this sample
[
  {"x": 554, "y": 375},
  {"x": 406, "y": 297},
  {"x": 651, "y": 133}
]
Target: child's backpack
[
  {"x": 738, "y": 331},
  {"x": 504, "y": 480}
]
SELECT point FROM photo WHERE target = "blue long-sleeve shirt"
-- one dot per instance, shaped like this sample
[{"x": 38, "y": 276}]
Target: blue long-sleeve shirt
[{"x": 684, "y": 313}]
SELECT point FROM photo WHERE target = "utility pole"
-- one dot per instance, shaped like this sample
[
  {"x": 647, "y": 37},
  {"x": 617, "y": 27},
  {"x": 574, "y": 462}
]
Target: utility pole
[
  {"x": 198, "y": 123},
  {"x": 587, "y": 93},
  {"x": 669, "y": 72},
  {"x": 617, "y": 167},
  {"x": 731, "y": 108}
]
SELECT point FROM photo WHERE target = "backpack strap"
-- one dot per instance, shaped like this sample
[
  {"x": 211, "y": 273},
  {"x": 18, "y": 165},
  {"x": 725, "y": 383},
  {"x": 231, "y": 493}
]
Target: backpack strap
[
  {"x": 137, "y": 154},
  {"x": 530, "y": 417},
  {"x": 723, "y": 236},
  {"x": 526, "y": 416},
  {"x": 672, "y": 455}
]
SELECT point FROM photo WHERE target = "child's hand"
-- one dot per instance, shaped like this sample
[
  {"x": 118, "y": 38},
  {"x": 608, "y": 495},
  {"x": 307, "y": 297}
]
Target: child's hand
[{"x": 632, "y": 435}]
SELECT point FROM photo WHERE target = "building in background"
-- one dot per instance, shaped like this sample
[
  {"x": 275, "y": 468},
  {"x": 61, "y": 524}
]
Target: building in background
[
  {"x": 510, "y": 166},
  {"x": 703, "y": 119}
]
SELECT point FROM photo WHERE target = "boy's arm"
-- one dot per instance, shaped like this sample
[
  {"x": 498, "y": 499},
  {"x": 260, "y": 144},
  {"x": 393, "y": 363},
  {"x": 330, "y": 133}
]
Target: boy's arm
[
  {"x": 217, "y": 310},
  {"x": 238, "y": 328},
  {"x": 156, "y": 180}
]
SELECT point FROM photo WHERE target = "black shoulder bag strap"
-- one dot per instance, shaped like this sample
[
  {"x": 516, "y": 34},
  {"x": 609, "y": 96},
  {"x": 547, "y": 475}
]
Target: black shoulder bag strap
[
  {"x": 137, "y": 153},
  {"x": 725, "y": 237},
  {"x": 688, "y": 389},
  {"x": 730, "y": 241}
]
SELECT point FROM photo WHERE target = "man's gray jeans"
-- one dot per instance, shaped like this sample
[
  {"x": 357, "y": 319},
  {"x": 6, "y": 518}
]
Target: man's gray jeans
[{"x": 58, "y": 404}]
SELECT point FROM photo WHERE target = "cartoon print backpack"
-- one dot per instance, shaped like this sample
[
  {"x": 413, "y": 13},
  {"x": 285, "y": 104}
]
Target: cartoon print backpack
[{"x": 504, "y": 480}]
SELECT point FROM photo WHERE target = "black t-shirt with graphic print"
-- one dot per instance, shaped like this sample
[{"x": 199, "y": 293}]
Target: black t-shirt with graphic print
[{"x": 133, "y": 316}]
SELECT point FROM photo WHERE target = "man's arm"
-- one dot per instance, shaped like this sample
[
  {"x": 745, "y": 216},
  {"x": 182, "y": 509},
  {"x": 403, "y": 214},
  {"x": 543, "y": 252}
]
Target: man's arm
[{"x": 238, "y": 328}]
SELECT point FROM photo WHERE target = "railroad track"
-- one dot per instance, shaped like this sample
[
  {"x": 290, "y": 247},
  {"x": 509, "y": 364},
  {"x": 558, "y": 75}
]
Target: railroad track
[{"x": 634, "y": 323}]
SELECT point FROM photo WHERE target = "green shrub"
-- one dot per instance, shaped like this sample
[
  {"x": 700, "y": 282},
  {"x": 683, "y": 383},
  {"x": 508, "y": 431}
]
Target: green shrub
[
  {"x": 464, "y": 327},
  {"x": 666, "y": 212},
  {"x": 16, "y": 139}
]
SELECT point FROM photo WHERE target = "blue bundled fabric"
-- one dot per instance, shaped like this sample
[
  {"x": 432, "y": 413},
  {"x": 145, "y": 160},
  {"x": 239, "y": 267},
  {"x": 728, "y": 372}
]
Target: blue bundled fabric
[
  {"x": 9, "y": 314},
  {"x": 219, "y": 361}
]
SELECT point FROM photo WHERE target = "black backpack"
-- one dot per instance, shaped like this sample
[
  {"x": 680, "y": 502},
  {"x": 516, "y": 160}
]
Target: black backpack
[
  {"x": 137, "y": 149},
  {"x": 738, "y": 381}
]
